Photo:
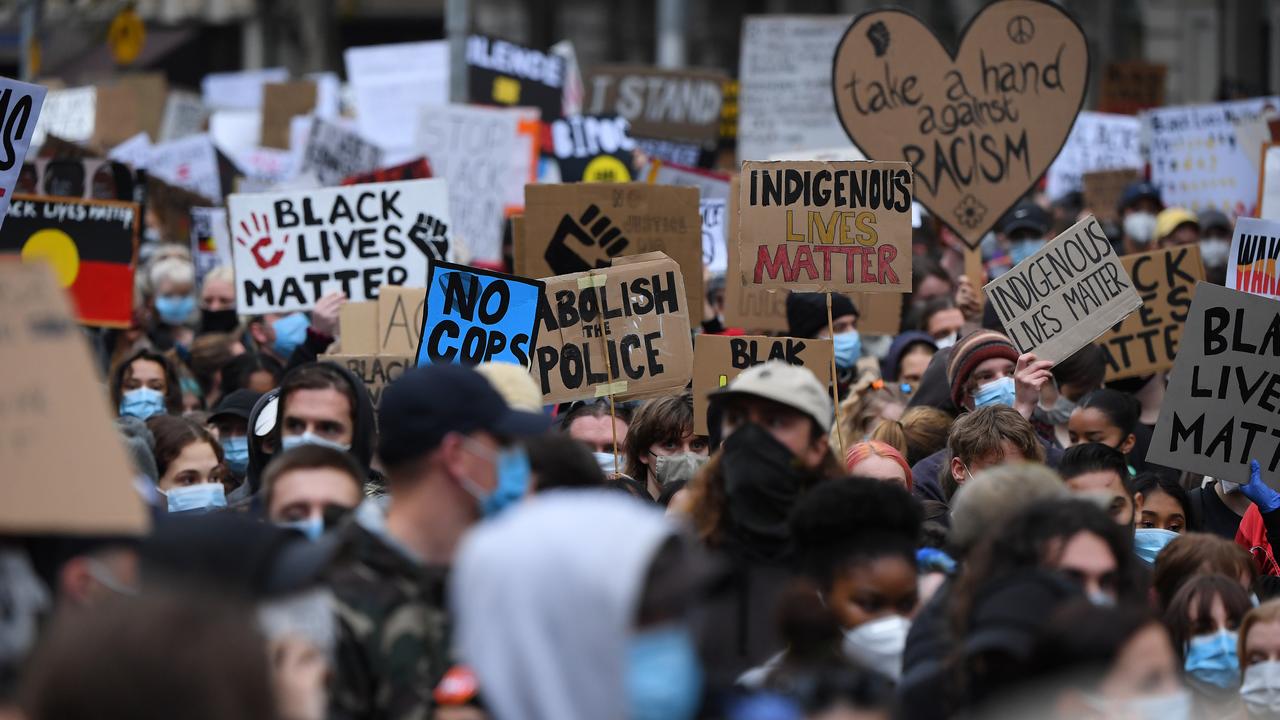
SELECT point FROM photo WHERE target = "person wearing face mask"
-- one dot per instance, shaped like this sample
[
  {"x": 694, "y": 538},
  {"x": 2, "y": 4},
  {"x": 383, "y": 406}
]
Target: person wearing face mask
[
  {"x": 1215, "y": 244},
  {"x": 1139, "y": 204},
  {"x": 907, "y": 359},
  {"x": 1203, "y": 618},
  {"x": 807, "y": 318},
  {"x": 595, "y": 426},
  {"x": 173, "y": 300},
  {"x": 311, "y": 489},
  {"x": 1259, "y": 647},
  {"x": 617, "y": 574},
  {"x": 1177, "y": 226},
  {"x": 145, "y": 384},
  {"x": 295, "y": 338},
  {"x": 1072, "y": 379},
  {"x": 662, "y": 451},
  {"x": 218, "y": 301},
  {"x": 448, "y": 442},
  {"x": 189, "y": 462},
  {"x": 230, "y": 421},
  {"x": 1024, "y": 229}
]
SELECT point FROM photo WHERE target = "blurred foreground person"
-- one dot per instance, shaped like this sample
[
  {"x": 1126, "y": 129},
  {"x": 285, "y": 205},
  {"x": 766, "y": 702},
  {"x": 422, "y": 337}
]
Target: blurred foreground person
[
  {"x": 1260, "y": 660},
  {"x": 311, "y": 489},
  {"x": 1202, "y": 620}
]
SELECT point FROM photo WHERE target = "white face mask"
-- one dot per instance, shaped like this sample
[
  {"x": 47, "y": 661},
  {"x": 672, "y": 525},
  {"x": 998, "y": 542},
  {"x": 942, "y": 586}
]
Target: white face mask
[
  {"x": 1140, "y": 227},
  {"x": 947, "y": 341},
  {"x": 1261, "y": 689},
  {"x": 878, "y": 645},
  {"x": 1214, "y": 252}
]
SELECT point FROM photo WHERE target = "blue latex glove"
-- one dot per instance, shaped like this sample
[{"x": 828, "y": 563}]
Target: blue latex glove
[{"x": 1259, "y": 492}]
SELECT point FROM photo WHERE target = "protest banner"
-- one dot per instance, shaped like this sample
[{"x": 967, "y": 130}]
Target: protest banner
[
  {"x": 1131, "y": 86},
  {"x": 673, "y": 151},
  {"x": 190, "y": 163},
  {"x": 718, "y": 359},
  {"x": 1219, "y": 411},
  {"x": 475, "y": 316},
  {"x": 332, "y": 153},
  {"x": 575, "y": 228},
  {"x": 210, "y": 240},
  {"x": 401, "y": 311},
  {"x": 91, "y": 245},
  {"x": 267, "y": 166},
  {"x": 784, "y": 92},
  {"x": 714, "y": 258},
  {"x": 1253, "y": 263},
  {"x": 486, "y": 160},
  {"x": 849, "y": 154},
  {"x": 116, "y": 116},
  {"x": 52, "y": 396},
  {"x": 391, "y": 84},
  {"x": 677, "y": 105},
  {"x": 979, "y": 125},
  {"x": 593, "y": 149},
  {"x": 291, "y": 248},
  {"x": 280, "y": 103},
  {"x": 1197, "y": 159},
  {"x": 1097, "y": 142},
  {"x": 826, "y": 226},
  {"x": 151, "y": 92},
  {"x": 621, "y": 331},
  {"x": 504, "y": 73},
  {"x": 1146, "y": 342},
  {"x": 1065, "y": 295},
  {"x": 134, "y": 152},
  {"x": 710, "y": 183},
  {"x": 239, "y": 90},
  {"x": 1103, "y": 190},
  {"x": 376, "y": 372},
  {"x": 68, "y": 114},
  {"x": 416, "y": 169},
  {"x": 20, "y": 105},
  {"x": 184, "y": 114},
  {"x": 1269, "y": 183}
]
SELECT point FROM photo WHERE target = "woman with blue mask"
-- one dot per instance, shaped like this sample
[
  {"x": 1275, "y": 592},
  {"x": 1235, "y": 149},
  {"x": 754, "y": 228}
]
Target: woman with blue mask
[
  {"x": 144, "y": 385},
  {"x": 230, "y": 419},
  {"x": 189, "y": 464},
  {"x": 1203, "y": 619},
  {"x": 173, "y": 301}
]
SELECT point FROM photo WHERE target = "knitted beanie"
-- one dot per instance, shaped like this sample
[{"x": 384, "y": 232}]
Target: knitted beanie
[
  {"x": 807, "y": 312},
  {"x": 969, "y": 352}
]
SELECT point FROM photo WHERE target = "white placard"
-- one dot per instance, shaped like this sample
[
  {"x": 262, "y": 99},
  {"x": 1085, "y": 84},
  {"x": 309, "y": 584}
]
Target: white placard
[
  {"x": 391, "y": 84},
  {"x": 68, "y": 114},
  {"x": 190, "y": 163},
  {"x": 184, "y": 115},
  {"x": 714, "y": 254},
  {"x": 239, "y": 90},
  {"x": 20, "y": 105},
  {"x": 1098, "y": 141},
  {"x": 135, "y": 152}
]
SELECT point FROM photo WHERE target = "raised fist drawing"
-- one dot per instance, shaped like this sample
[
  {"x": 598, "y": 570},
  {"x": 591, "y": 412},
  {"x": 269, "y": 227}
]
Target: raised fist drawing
[
  {"x": 260, "y": 243},
  {"x": 431, "y": 237},
  {"x": 584, "y": 244}
]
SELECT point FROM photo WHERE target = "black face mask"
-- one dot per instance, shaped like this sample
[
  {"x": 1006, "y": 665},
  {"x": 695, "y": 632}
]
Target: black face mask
[
  {"x": 218, "y": 320},
  {"x": 763, "y": 482}
]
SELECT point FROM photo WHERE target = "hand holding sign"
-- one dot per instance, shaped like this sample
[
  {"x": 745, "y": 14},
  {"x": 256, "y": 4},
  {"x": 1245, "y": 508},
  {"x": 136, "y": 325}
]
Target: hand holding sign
[
  {"x": 1029, "y": 377},
  {"x": 324, "y": 316}
]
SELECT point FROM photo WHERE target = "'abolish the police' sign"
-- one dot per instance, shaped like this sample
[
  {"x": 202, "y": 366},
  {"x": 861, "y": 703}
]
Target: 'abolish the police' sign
[{"x": 292, "y": 248}]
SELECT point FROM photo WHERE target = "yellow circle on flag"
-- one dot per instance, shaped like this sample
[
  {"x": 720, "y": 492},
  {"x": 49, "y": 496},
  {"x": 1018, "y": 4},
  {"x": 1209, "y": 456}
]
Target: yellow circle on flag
[
  {"x": 56, "y": 248},
  {"x": 606, "y": 168},
  {"x": 126, "y": 36}
]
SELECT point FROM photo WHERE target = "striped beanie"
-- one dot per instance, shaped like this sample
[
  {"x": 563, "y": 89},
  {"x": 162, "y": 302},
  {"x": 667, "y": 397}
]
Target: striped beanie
[{"x": 969, "y": 352}]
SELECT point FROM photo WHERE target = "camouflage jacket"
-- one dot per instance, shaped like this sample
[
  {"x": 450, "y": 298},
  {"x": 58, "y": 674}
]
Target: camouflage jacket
[{"x": 393, "y": 642}]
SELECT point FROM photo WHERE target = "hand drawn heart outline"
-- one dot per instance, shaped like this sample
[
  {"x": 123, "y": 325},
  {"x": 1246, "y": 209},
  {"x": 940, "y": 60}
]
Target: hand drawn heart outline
[{"x": 971, "y": 212}]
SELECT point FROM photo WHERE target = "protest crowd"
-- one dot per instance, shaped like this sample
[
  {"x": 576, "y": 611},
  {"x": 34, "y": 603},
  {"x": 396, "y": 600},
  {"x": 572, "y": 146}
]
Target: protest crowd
[{"x": 549, "y": 405}]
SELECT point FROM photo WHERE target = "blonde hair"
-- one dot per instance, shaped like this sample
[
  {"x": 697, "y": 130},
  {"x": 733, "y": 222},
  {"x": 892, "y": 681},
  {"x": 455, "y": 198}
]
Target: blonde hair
[
  {"x": 860, "y": 414},
  {"x": 1267, "y": 612},
  {"x": 221, "y": 272},
  {"x": 178, "y": 272}
]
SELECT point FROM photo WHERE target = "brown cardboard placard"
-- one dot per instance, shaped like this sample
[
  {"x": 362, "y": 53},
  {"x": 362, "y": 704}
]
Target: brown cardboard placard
[
  {"x": 1219, "y": 411},
  {"x": 1146, "y": 342},
  {"x": 1131, "y": 86},
  {"x": 358, "y": 327},
  {"x": 682, "y": 105},
  {"x": 152, "y": 91},
  {"x": 825, "y": 226},
  {"x": 375, "y": 371},
  {"x": 400, "y": 313},
  {"x": 52, "y": 393},
  {"x": 718, "y": 359},
  {"x": 280, "y": 102},
  {"x": 116, "y": 116},
  {"x": 980, "y": 125},
  {"x": 1103, "y": 190},
  {"x": 1065, "y": 295},
  {"x": 570, "y": 228},
  {"x": 637, "y": 308}
]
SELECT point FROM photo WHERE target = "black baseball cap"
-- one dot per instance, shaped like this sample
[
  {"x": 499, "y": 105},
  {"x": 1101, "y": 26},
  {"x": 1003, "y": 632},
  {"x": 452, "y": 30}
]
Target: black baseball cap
[
  {"x": 1139, "y": 190},
  {"x": 431, "y": 401},
  {"x": 238, "y": 404},
  {"x": 1026, "y": 215}
]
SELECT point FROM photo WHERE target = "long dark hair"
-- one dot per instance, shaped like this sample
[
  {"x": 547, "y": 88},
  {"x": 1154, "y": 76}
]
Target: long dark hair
[{"x": 172, "y": 386}]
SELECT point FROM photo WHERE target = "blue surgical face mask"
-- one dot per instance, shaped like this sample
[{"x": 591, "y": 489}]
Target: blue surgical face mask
[
  {"x": 291, "y": 331},
  {"x": 996, "y": 392},
  {"x": 235, "y": 450},
  {"x": 289, "y": 442},
  {"x": 607, "y": 462},
  {"x": 205, "y": 496},
  {"x": 1020, "y": 250},
  {"x": 848, "y": 347},
  {"x": 175, "y": 309},
  {"x": 1212, "y": 659},
  {"x": 512, "y": 465},
  {"x": 312, "y": 527},
  {"x": 142, "y": 403},
  {"x": 664, "y": 679},
  {"x": 1148, "y": 542}
]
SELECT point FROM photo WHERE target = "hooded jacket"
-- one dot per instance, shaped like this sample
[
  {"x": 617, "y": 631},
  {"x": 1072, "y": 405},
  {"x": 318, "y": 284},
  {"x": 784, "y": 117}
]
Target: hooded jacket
[
  {"x": 889, "y": 366},
  {"x": 545, "y": 599}
]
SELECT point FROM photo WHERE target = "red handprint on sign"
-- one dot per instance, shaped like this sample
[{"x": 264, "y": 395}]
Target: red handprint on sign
[{"x": 260, "y": 241}]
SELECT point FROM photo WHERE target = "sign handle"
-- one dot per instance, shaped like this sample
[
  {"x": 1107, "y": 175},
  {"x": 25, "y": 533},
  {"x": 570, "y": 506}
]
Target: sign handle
[
  {"x": 835, "y": 381},
  {"x": 973, "y": 268},
  {"x": 608, "y": 367}
]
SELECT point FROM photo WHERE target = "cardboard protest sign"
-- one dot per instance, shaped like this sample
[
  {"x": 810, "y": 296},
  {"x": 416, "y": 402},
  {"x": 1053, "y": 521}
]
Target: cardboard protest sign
[
  {"x": 91, "y": 245},
  {"x": 826, "y": 226},
  {"x": 678, "y": 105},
  {"x": 979, "y": 125},
  {"x": 116, "y": 116},
  {"x": 481, "y": 153},
  {"x": 621, "y": 330},
  {"x": 1269, "y": 183},
  {"x": 240, "y": 90},
  {"x": 504, "y": 73},
  {"x": 1197, "y": 159},
  {"x": 358, "y": 325},
  {"x": 475, "y": 316},
  {"x": 190, "y": 163},
  {"x": 184, "y": 114},
  {"x": 151, "y": 92},
  {"x": 20, "y": 105},
  {"x": 784, "y": 93},
  {"x": 52, "y": 394},
  {"x": 714, "y": 258},
  {"x": 375, "y": 371},
  {"x": 1219, "y": 410},
  {"x": 1068, "y": 293},
  {"x": 391, "y": 84},
  {"x": 134, "y": 152},
  {"x": 413, "y": 170},
  {"x": 1253, "y": 262},
  {"x": 593, "y": 149},
  {"x": 710, "y": 184},
  {"x": 280, "y": 102},
  {"x": 171, "y": 206},
  {"x": 1097, "y": 142},
  {"x": 1103, "y": 190},
  {"x": 1146, "y": 342},
  {"x": 574, "y": 228},
  {"x": 718, "y": 359},
  {"x": 1130, "y": 86},
  {"x": 672, "y": 151},
  {"x": 210, "y": 240},
  {"x": 401, "y": 311},
  {"x": 333, "y": 153},
  {"x": 291, "y": 248}
]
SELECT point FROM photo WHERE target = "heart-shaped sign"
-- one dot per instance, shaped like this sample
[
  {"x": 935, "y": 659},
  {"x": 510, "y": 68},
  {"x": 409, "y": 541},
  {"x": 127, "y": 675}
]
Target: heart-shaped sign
[{"x": 981, "y": 126}]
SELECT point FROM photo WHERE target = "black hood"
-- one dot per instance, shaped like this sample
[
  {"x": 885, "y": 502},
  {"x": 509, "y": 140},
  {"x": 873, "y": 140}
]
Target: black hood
[{"x": 259, "y": 456}]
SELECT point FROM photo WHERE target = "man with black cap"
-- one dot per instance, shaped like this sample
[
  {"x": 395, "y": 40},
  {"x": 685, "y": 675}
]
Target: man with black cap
[
  {"x": 230, "y": 424},
  {"x": 447, "y": 444},
  {"x": 807, "y": 318},
  {"x": 1024, "y": 229}
]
